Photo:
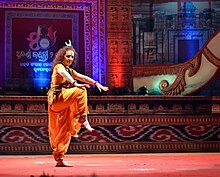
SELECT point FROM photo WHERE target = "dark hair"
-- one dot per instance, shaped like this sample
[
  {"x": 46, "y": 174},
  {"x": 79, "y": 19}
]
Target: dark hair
[{"x": 60, "y": 54}]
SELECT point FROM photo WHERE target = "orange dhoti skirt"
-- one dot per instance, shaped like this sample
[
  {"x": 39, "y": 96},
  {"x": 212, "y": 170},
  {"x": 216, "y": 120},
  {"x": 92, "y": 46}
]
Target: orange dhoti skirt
[{"x": 64, "y": 113}]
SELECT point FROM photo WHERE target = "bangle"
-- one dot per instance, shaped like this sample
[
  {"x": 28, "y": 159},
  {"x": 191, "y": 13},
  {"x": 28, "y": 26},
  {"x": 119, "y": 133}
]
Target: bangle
[{"x": 95, "y": 83}]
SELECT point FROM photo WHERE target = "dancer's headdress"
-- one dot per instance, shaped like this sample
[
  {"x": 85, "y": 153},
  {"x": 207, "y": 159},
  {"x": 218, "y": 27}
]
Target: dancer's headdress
[{"x": 68, "y": 44}]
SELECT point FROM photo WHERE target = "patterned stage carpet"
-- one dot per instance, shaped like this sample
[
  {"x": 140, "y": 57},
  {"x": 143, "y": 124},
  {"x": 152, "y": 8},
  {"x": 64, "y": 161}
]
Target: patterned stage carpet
[
  {"x": 123, "y": 124},
  {"x": 114, "y": 165}
]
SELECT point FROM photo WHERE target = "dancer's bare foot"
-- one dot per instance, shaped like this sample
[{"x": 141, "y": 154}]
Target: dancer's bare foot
[
  {"x": 62, "y": 163},
  {"x": 87, "y": 126},
  {"x": 84, "y": 121},
  {"x": 76, "y": 136}
]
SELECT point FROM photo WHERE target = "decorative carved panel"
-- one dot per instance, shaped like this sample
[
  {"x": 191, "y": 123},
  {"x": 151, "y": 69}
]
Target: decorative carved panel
[{"x": 119, "y": 44}]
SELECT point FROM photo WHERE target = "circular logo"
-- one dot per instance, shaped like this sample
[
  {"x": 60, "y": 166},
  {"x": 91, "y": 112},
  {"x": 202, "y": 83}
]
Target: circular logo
[{"x": 44, "y": 43}]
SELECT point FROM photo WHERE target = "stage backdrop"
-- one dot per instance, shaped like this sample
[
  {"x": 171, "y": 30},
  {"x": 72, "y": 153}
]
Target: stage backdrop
[{"x": 32, "y": 42}]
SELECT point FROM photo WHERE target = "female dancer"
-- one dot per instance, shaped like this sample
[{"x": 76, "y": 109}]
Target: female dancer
[{"x": 67, "y": 103}]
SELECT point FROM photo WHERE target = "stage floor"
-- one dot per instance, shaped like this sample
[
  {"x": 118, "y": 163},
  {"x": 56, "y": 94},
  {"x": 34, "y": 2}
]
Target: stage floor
[{"x": 110, "y": 165}]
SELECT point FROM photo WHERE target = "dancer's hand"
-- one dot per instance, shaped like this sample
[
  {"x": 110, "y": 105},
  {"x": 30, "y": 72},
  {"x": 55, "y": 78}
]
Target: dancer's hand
[{"x": 101, "y": 87}]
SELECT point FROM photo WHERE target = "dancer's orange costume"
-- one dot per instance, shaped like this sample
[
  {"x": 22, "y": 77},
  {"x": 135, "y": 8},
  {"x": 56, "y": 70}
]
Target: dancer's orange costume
[{"x": 64, "y": 113}]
